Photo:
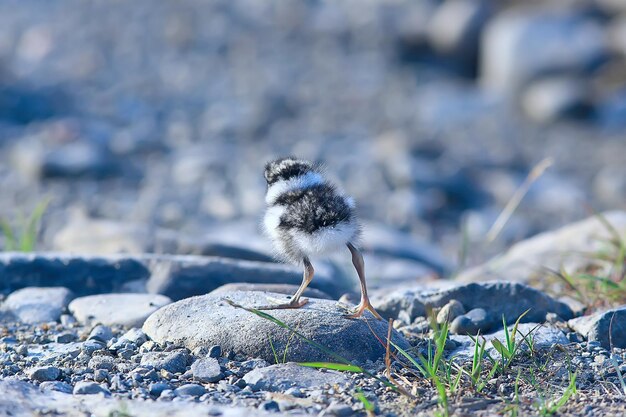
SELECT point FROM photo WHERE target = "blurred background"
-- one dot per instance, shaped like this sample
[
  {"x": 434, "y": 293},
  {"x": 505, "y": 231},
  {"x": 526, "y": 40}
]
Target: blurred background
[{"x": 156, "y": 118}]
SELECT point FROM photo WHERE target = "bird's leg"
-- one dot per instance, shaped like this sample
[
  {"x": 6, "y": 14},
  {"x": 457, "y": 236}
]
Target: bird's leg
[
  {"x": 296, "y": 302},
  {"x": 359, "y": 265}
]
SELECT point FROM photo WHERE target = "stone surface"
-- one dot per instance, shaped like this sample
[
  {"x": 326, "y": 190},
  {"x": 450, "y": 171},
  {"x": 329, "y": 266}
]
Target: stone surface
[
  {"x": 56, "y": 386},
  {"x": 193, "y": 390},
  {"x": 176, "y": 276},
  {"x": 553, "y": 249},
  {"x": 129, "y": 310},
  {"x": 89, "y": 388},
  {"x": 44, "y": 373},
  {"x": 192, "y": 275},
  {"x": 521, "y": 45},
  {"x": 471, "y": 322},
  {"x": 81, "y": 274},
  {"x": 450, "y": 311},
  {"x": 37, "y": 304},
  {"x": 607, "y": 327},
  {"x": 206, "y": 370},
  {"x": 170, "y": 361},
  {"x": 100, "y": 333},
  {"x": 281, "y": 377},
  {"x": 209, "y": 320},
  {"x": 497, "y": 298},
  {"x": 21, "y": 399},
  {"x": 288, "y": 289}
]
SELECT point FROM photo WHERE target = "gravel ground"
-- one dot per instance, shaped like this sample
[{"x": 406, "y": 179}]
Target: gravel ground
[{"x": 147, "y": 125}]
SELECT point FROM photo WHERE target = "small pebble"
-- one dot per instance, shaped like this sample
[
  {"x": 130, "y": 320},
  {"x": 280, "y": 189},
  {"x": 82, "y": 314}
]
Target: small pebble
[
  {"x": 90, "y": 346},
  {"x": 193, "y": 390},
  {"x": 56, "y": 386},
  {"x": 101, "y": 375},
  {"x": 215, "y": 351},
  {"x": 157, "y": 388},
  {"x": 65, "y": 337},
  {"x": 101, "y": 333},
  {"x": 85, "y": 387},
  {"x": 44, "y": 373},
  {"x": 269, "y": 406},
  {"x": 22, "y": 350}
]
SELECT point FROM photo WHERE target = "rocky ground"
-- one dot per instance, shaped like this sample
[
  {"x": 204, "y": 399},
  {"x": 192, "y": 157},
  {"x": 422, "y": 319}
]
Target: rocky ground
[{"x": 141, "y": 131}]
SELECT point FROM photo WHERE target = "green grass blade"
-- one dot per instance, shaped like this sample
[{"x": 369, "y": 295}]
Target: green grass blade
[
  {"x": 273, "y": 350},
  {"x": 31, "y": 229},
  {"x": 333, "y": 366},
  {"x": 367, "y": 405}
]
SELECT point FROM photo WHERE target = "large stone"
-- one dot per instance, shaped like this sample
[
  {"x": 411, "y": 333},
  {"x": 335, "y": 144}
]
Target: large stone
[
  {"x": 497, "y": 298},
  {"x": 176, "y": 276},
  {"x": 551, "y": 250},
  {"x": 192, "y": 275},
  {"x": 521, "y": 45},
  {"x": 288, "y": 289},
  {"x": 129, "y": 310},
  {"x": 36, "y": 304},
  {"x": 83, "y": 274},
  {"x": 209, "y": 320},
  {"x": 22, "y": 399},
  {"x": 606, "y": 327},
  {"x": 281, "y": 377}
]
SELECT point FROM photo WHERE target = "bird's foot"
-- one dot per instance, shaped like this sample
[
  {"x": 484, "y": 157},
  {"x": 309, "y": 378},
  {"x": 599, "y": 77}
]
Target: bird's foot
[
  {"x": 280, "y": 304},
  {"x": 360, "y": 309}
]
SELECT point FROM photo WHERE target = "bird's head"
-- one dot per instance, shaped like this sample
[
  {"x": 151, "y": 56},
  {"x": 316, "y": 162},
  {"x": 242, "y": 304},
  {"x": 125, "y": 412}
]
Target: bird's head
[{"x": 284, "y": 169}]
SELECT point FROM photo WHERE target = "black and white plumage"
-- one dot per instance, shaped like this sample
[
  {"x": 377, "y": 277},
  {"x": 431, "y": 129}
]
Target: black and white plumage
[{"x": 307, "y": 216}]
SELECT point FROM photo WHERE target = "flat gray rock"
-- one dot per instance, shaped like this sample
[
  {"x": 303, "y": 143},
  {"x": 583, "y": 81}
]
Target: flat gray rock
[
  {"x": 176, "y": 276},
  {"x": 283, "y": 376},
  {"x": 22, "y": 399},
  {"x": 206, "y": 370},
  {"x": 44, "y": 373},
  {"x": 288, "y": 289},
  {"x": 553, "y": 249},
  {"x": 208, "y": 320},
  {"x": 606, "y": 327},
  {"x": 174, "y": 362},
  {"x": 187, "y": 276},
  {"x": 83, "y": 274},
  {"x": 497, "y": 298},
  {"x": 37, "y": 304},
  {"x": 129, "y": 310}
]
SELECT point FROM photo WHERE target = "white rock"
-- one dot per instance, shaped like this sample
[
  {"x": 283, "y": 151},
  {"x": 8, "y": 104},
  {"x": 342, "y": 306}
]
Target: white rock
[
  {"x": 37, "y": 304},
  {"x": 129, "y": 310}
]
